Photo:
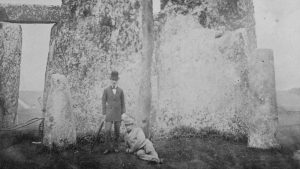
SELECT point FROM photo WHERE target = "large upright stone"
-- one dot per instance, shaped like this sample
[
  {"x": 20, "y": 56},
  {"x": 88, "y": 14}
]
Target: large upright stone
[
  {"x": 264, "y": 117},
  {"x": 207, "y": 75},
  {"x": 10, "y": 58},
  {"x": 29, "y": 13},
  {"x": 202, "y": 77},
  {"x": 96, "y": 38},
  {"x": 59, "y": 124},
  {"x": 201, "y": 53}
]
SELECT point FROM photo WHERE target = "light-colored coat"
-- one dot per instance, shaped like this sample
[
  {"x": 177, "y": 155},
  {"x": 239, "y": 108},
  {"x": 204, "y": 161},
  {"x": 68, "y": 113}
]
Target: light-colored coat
[{"x": 142, "y": 147}]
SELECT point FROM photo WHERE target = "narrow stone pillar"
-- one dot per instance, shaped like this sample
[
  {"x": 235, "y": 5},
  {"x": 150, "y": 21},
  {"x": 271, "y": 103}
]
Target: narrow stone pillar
[
  {"x": 59, "y": 119},
  {"x": 145, "y": 85},
  {"x": 264, "y": 119},
  {"x": 10, "y": 60}
]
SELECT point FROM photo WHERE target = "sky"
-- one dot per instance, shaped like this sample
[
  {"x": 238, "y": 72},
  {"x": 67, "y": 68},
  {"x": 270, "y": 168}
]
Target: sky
[{"x": 277, "y": 28}]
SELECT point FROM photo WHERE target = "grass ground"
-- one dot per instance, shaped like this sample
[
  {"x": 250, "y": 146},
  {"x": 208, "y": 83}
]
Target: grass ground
[{"x": 211, "y": 152}]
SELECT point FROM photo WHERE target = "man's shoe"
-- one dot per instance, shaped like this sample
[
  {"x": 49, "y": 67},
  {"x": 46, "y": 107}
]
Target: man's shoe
[{"x": 106, "y": 152}]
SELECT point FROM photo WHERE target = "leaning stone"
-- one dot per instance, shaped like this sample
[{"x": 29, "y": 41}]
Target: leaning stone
[{"x": 59, "y": 120}]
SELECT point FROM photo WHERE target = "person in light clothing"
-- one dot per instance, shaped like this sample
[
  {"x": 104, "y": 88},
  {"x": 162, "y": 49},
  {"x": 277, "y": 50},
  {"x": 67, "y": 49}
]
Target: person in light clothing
[{"x": 137, "y": 143}]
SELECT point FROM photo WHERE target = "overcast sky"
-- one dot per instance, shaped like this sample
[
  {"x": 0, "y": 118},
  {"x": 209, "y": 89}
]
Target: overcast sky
[{"x": 277, "y": 27}]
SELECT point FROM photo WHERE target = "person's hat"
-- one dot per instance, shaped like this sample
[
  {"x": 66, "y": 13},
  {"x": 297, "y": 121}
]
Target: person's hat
[
  {"x": 114, "y": 75},
  {"x": 127, "y": 120}
]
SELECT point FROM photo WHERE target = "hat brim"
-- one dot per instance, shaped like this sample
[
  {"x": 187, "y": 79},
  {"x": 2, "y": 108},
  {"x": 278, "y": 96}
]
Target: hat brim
[{"x": 114, "y": 78}]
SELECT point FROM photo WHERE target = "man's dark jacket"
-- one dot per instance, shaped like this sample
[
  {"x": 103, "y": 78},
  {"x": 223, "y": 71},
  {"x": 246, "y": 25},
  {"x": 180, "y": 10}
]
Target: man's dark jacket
[{"x": 113, "y": 105}]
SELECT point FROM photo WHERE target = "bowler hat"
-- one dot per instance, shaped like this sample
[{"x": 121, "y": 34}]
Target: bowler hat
[{"x": 114, "y": 75}]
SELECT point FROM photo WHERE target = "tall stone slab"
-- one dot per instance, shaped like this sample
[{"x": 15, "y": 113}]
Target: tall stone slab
[
  {"x": 264, "y": 118},
  {"x": 201, "y": 63},
  {"x": 96, "y": 37},
  {"x": 202, "y": 81},
  {"x": 207, "y": 74},
  {"x": 10, "y": 58},
  {"x": 59, "y": 124}
]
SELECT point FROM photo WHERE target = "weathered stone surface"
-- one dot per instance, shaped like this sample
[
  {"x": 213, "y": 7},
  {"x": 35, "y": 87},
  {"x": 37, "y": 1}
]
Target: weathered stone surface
[
  {"x": 30, "y": 13},
  {"x": 146, "y": 62},
  {"x": 202, "y": 77},
  {"x": 200, "y": 72},
  {"x": 221, "y": 15},
  {"x": 99, "y": 37},
  {"x": 230, "y": 14},
  {"x": 59, "y": 126},
  {"x": 264, "y": 116},
  {"x": 203, "y": 59},
  {"x": 10, "y": 58}
]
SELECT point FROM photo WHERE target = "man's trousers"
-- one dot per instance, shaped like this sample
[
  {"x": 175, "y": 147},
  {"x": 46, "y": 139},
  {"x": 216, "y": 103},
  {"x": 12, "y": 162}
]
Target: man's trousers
[{"x": 110, "y": 145}]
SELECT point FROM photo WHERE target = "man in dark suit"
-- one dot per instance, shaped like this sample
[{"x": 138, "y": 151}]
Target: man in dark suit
[{"x": 113, "y": 105}]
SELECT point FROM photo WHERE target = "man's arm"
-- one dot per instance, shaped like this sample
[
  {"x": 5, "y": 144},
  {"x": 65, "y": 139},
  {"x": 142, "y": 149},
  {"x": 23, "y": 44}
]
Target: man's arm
[
  {"x": 104, "y": 100},
  {"x": 123, "y": 108}
]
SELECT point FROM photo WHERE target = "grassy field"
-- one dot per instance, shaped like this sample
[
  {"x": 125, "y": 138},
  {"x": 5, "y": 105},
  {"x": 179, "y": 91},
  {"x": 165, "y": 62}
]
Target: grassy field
[{"x": 211, "y": 151}]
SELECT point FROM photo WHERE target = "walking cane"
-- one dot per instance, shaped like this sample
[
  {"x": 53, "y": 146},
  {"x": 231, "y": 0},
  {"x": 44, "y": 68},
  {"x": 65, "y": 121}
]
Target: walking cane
[{"x": 97, "y": 136}]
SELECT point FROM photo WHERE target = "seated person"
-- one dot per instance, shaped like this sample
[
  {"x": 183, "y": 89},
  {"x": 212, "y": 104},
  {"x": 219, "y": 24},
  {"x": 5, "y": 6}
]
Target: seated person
[{"x": 137, "y": 143}]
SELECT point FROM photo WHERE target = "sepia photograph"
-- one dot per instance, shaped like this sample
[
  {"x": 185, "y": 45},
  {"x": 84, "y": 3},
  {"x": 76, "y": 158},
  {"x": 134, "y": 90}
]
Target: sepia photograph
[{"x": 149, "y": 84}]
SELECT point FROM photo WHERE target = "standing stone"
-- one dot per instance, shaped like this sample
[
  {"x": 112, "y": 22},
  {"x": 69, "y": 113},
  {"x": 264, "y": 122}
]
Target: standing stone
[
  {"x": 201, "y": 54},
  {"x": 59, "y": 119},
  {"x": 10, "y": 59},
  {"x": 264, "y": 118},
  {"x": 97, "y": 37}
]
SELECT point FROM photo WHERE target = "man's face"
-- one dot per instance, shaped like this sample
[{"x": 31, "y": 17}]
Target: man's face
[
  {"x": 113, "y": 82},
  {"x": 106, "y": 11},
  {"x": 128, "y": 128}
]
